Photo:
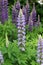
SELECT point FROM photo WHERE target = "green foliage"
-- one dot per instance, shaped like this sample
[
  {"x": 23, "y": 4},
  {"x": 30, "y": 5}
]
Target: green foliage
[
  {"x": 10, "y": 29},
  {"x": 12, "y": 55}
]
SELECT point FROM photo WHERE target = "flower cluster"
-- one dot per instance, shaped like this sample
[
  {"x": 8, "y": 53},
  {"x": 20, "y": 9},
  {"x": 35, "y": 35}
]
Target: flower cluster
[
  {"x": 30, "y": 23},
  {"x": 27, "y": 12},
  {"x": 3, "y": 10},
  {"x": 15, "y": 12},
  {"x": 38, "y": 22},
  {"x": 34, "y": 14},
  {"x": 24, "y": 12},
  {"x": 6, "y": 8},
  {"x": 40, "y": 51},
  {"x": 21, "y": 31},
  {"x": 17, "y": 6},
  {"x": 1, "y": 58},
  {"x": 33, "y": 22},
  {"x": 30, "y": 18},
  {"x": 0, "y": 10}
]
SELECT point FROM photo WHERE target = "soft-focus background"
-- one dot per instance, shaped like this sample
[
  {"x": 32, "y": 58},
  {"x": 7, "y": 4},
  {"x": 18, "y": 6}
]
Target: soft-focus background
[{"x": 39, "y": 7}]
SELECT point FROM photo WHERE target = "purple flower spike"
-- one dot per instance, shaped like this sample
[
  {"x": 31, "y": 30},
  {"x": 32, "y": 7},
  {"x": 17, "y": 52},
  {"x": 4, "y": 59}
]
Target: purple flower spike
[
  {"x": 21, "y": 31},
  {"x": 1, "y": 58},
  {"x": 6, "y": 9},
  {"x": 14, "y": 15},
  {"x": 3, "y": 16},
  {"x": 3, "y": 10},
  {"x": 17, "y": 6},
  {"x": 30, "y": 23},
  {"x": 40, "y": 51},
  {"x": 0, "y": 9},
  {"x": 27, "y": 11},
  {"x": 34, "y": 14},
  {"x": 38, "y": 22},
  {"x": 24, "y": 12}
]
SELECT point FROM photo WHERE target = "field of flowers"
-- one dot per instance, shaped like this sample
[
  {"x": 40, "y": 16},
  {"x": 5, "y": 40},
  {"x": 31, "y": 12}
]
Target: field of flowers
[{"x": 21, "y": 33}]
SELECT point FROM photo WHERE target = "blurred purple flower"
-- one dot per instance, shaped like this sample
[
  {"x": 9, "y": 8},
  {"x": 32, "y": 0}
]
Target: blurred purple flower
[
  {"x": 6, "y": 8},
  {"x": 3, "y": 10},
  {"x": 0, "y": 9},
  {"x": 40, "y": 51},
  {"x": 34, "y": 14},
  {"x": 17, "y": 6},
  {"x": 27, "y": 11},
  {"x": 1, "y": 58},
  {"x": 38, "y": 22},
  {"x": 30, "y": 23},
  {"x": 14, "y": 15},
  {"x": 3, "y": 16},
  {"x": 24, "y": 12}
]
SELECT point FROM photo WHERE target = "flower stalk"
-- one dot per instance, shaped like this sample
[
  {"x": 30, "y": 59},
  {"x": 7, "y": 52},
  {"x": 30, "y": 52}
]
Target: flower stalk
[{"x": 21, "y": 31}]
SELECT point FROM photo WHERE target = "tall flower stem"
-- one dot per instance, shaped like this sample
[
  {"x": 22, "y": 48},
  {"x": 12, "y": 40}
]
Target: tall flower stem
[{"x": 21, "y": 31}]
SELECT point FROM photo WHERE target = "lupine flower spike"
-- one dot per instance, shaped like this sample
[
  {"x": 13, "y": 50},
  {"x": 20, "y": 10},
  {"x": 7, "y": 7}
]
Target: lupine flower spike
[
  {"x": 27, "y": 11},
  {"x": 40, "y": 51},
  {"x": 6, "y": 8},
  {"x": 21, "y": 31},
  {"x": 34, "y": 14},
  {"x": 7, "y": 41},
  {"x": 24, "y": 12},
  {"x": 30, "y": 23},
  {"x": 0, "y": 9},
  {"x": 3, "y": 10},
  {"x": 14, "y": 15},
  {"x": 38, "y": 22},
  {"x": 1, "y": 58},
  {"x": 17, "y": 5}
]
